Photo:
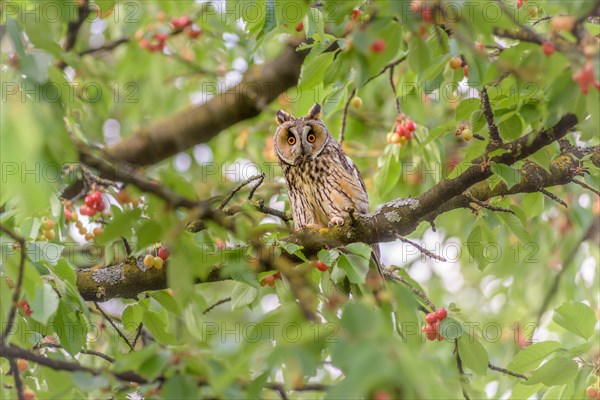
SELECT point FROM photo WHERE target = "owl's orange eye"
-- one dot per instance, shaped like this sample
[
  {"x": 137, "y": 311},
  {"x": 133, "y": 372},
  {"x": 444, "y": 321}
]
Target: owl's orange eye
[
  {"x": 311, "y": 138},
  {"x": 291, "y": 140}
]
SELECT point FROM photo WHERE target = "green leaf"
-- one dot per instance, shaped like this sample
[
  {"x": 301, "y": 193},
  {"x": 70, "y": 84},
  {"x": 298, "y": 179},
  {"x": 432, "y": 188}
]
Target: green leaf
[
  {"x": 166, "y": 300},
  {"x": 473, "y": 354},
  {"x": 438, "y": 132},
  {"x": 557, "y": 371},
  {"x": 466, "y": 108},
  {"x": 132, "y": 317},
  {"x": 149, "y": 232},
  {"x": 329, "y": 257},
  {"x": 47, "y": 251},
  {"x": 530, "y": 357},
  {"x": 293, "y": 249},
  {"x": 523, "y": 392},
  {"x": 149, "y": 361},
  {"x": 419, "y": 57},
  {"x": 533, "y": 204},
  {"x": 44, "y": 304},
  {"x": 516, "y": 226},
  {"x": 509, "y": 175},
  {"x": 157, "y": 327},
  {"x": 120, "y": 225},
  {"x": 242, "y": 295},
  {"x": 71, "y": 329},
  {"x": 577, "y": 318},
  {"x": 477, "y": 120},
  {"x": 450, "y": 328},
  {"x": 560, "y": 392},
  {"x": 510, "y": 128},
  {"x": 355, "y": 267},
  {"x": 360, "y": 249},
  {"x": 312, "y": 72}
]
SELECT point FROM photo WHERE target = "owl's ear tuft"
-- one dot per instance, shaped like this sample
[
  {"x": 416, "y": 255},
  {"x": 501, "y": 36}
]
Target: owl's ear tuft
[
  {"x": 281, "y": 117},
  {"x": 314, "y": 112}
]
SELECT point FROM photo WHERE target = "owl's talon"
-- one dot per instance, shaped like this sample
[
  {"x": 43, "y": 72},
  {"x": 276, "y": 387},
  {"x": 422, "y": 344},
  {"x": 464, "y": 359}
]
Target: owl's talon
[{"x": 336, "y": 221}]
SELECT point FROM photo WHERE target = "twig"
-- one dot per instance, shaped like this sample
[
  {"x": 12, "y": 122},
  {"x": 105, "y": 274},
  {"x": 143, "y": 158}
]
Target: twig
[
  {"x": 461, "y": 371},
  {"x": 422, "y": 249},
  {"x": 89, "y": 352},
  {"x": 260, "y": 205},
  {"x": 554, "y": 197},
  {"x": 388, "y": 66},
  {"x": 393, "y": 85},
  {"x": 17, "y": 293},
  {"x": 18, "y": 383},
  {"x": 138, "y": 333},
  {"x": 112, "y": 323},
  {"x": 83, "y": 10},
  {"x": 392, "y": 276},
  {"x": 255, "y": 187},
  {"x": 218, "y": 303},
  {"x": 108, "y": 46},
  {"x": 505, "y": 371},
  {"x": 60, "y": 365},
  {"x": 93, "y": 178},
  {"x": 239, "y": 187},
  {"x": 488, "y": 206},
  {"x": 489, "y": 117},
  {"x": 585, "y": 185},
  {"x": 279, "y": 388},
  {"x": 547, "y": 17},
  {"x": 345, "y": 115}
]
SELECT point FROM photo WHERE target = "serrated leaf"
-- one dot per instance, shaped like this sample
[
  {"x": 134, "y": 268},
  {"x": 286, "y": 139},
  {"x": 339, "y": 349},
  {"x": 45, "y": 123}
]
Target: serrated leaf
[
  {"x": 360, "y": 249},
  {"x": 530, "y": 357},
  {"x": 516, "y": 226},
  {"x": 157, "y": 327},
  {"x": 524, "y": 392},
  {"x": 557, "y": 371},
  {"x": 293, "y": 249},
  {"x": 577, "y": 318},
  {"x": 355, "y": 267},
  {"x": 44, "y": 304},
  {"x": 329, "y": 257},
  {"x": 131, "y": 317},
  {"x": 473, "y": 354},
  {"x": 533, "y": 204},
  {"x": 242, "y": 295},
  {"x": 477, "y": 120},
  {"x": 166, "y": 300}
]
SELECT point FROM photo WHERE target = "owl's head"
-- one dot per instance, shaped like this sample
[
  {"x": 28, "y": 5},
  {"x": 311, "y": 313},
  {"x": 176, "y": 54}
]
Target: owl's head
[{"x": 300, "y": 139}]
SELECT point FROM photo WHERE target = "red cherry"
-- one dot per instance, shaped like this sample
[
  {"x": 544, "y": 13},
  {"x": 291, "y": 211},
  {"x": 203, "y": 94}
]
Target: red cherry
[
  {"x": 381, "y": 395},
  {"x": 89, "y": 201},
  {"x": 163, "y": 253},
  {"x": 439, "y": 337},
  {"x": 466, "y": 70},
  {"x": 321, "y": 266},
  {"x": 161, "y": 36},
  {"x": 430, "y": 318},
  {"x": 277, "y": 275},
  {"x": 144, "y": 44},
  {"x": 427, "y": 15},
  {"x": 24, "y": 304},
  {"x": 401, "y": 130},
  {"x": 300, "y": 26},
  {"x": 591, "y": 392},
  {"x": 181, "y": 22},
  {"x": 430, "y": 334},
  {"x": 269, "y": 280},
  {"x": 410, "y": 125},
  {"x": 100, "y": 206},
  {"x": 68, "y": 214},
  {"x": 441, "y": 313},
  {"x": 585, "y": 77},
  {"x": 356, "y": 14},
  {"x": 548, "y": 48},
  {"x": 520, "y": 3},
  {"x": 193, "y": 32},
  {"x": 378, "y": 46},
  {"x": 479, "y": 47}
]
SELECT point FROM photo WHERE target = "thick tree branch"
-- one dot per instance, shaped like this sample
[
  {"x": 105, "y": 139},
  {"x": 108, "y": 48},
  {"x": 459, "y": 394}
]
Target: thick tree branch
[
  {"x": 259, "y": 87},
  {"x": 399, "y": 217}
]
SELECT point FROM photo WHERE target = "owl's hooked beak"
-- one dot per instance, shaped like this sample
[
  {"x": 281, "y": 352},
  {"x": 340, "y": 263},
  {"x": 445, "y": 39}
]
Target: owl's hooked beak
[{"x": 304, "y": 145}]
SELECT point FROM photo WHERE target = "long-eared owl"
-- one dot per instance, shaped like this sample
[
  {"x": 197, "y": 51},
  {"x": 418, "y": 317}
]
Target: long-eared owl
[{"x": 322, "y": 181}]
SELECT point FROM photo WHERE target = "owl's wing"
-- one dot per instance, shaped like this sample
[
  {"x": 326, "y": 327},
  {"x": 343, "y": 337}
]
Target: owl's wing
[{"x": 360, "y": 196}]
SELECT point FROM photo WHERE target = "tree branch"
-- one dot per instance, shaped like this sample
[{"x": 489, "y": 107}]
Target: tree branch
[
  {"x": 396, "y": 218},
  {"x": 17, "y": 293},
  {"x": 259, "y": 87}
]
